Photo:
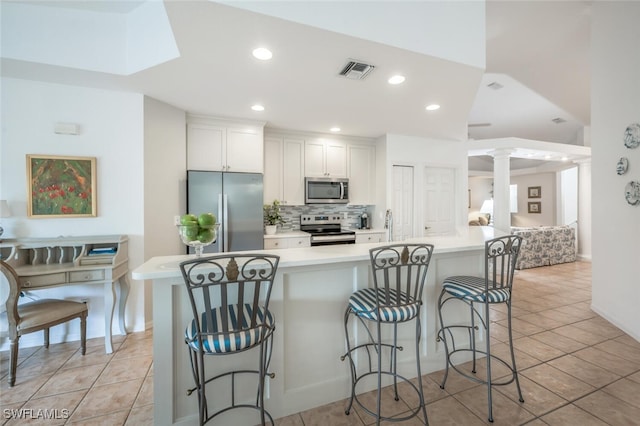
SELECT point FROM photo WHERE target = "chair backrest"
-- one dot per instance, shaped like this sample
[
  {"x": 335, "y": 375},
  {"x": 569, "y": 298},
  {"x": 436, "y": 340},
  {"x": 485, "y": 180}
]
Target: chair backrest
[
  {"x": 237, "y": 286},
  {"x": 400, "y": 269},
  {"x": 14, "y": 293},
  {"x": 501, "y": 255}
]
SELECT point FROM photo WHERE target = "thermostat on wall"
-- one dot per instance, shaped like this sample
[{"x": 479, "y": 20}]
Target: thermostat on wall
[{"x": 67, "y": 129}]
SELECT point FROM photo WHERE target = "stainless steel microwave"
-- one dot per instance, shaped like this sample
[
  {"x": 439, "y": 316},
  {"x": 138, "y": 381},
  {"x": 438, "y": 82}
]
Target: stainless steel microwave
[{"x": 326, "y": 190}]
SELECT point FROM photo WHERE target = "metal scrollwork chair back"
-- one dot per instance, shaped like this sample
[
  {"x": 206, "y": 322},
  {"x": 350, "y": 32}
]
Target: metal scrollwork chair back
[{"x": 229, "y": 297}]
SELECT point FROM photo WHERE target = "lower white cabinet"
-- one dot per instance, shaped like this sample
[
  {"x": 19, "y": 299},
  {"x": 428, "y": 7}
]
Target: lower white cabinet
[
  {"x": 369, "y": 237},
  {"x": 286, "y": 242}
]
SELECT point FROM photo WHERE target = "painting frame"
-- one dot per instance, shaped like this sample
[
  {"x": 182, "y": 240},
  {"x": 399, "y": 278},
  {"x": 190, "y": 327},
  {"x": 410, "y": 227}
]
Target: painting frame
[
  {"x": 535, "y": 192},
  {"x": 534, "y": 207},
  {"x": 61, "y": 186}
]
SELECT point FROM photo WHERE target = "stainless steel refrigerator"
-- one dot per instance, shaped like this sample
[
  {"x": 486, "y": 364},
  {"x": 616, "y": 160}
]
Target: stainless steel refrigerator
[{"x": 236, "y": 200}]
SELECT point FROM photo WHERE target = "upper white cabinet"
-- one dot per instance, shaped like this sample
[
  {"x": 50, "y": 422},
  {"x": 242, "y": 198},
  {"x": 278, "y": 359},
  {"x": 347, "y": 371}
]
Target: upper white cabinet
[
  {"x": 361, "y": 160},
  {"x": 293, "y": 172},
  {"x": 325, "y": 158},
  {"x": 284, "y": 170},
  {"x": 224, "y": 146}
]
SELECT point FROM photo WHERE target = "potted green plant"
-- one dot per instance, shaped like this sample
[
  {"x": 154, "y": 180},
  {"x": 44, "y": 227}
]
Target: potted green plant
[{"x": 272, "y": 217}]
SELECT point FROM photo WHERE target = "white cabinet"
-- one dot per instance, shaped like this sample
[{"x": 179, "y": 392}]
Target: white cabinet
[
  {"x": 284, "y": 170},
  {"x": 369, "y": 237},
  {"x": 286, "y": 242},
  {"x": 293, "y": 172},
  {"x": 361, "y": 161},
  {"x": 325, "y": 158},
  {"x": 225, "y": 147},
  {"x": 272, "y": 179}
]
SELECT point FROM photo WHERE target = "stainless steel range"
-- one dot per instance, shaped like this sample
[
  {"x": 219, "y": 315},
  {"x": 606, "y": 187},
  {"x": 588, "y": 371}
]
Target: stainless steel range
[{"x": 325, "y": 230}]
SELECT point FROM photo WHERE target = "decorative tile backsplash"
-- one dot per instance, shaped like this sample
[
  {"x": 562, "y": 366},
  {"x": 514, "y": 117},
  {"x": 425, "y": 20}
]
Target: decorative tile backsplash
[{"x": 291, "y": 214}]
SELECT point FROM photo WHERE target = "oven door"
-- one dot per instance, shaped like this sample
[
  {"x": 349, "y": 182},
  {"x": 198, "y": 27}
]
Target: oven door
[{"x": 326, "y": 191}]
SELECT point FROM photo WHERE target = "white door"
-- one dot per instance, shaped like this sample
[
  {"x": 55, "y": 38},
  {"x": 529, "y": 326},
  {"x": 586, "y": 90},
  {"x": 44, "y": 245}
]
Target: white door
[
  {"x": 439, "y": 201},
  {"x": 402, "y": 204}
]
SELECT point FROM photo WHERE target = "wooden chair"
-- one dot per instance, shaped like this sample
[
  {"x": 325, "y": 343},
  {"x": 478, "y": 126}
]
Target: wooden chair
[{"x": 35, "y": 316}]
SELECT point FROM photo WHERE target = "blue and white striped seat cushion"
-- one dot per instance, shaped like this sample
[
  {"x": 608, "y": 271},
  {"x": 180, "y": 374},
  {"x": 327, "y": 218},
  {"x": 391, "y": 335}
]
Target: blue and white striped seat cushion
[
  {"x": 472, "y": 289},
  {"x": 363, "y": 303},
  {"x": 233, "y": 341}
]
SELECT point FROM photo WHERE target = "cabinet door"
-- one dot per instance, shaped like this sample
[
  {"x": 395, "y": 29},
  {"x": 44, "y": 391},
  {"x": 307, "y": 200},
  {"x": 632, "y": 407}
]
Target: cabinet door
[
  {"x": 204, "y": 147},
  {"x": 244, "y": 150},
  {"x": 361, "y": 174},
  {"x": 314, "y": 159},
  {"x": 336, "y": 159},
  {"x": 293, "y": 172},
  {"x": 273, "y": 170}
]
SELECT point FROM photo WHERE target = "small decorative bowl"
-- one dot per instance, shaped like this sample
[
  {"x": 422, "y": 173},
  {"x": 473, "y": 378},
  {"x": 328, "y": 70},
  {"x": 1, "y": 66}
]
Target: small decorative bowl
[{"x": 198, "y": 237}]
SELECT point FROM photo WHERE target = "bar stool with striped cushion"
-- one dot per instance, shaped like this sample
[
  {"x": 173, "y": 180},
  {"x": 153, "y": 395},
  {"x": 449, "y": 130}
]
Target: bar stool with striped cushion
[
  {"x": 229, "y": 297},
  {"x": 399, "y": 273},
  {"x": 501, "y": 255}
]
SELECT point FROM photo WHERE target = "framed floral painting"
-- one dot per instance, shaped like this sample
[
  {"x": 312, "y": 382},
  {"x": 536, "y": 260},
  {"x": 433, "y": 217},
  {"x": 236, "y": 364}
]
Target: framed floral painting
[{"x": 61, "y": 186}]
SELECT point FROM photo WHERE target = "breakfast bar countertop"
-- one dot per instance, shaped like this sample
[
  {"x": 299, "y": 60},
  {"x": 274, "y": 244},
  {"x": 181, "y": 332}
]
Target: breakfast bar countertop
[{"x": 473, "y": 239}]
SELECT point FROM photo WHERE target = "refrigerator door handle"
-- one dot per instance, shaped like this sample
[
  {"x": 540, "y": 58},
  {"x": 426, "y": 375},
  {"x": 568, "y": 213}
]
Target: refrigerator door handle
[
  {"x": 221, "y": 219},
  {"x": 225, "y": 228}
]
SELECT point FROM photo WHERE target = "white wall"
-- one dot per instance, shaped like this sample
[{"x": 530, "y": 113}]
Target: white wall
[
  {"x": 481, "y": 189},
  {"x": 547, "y": 182},
  {"x": 111, "y": 126},
  {"x": 615, "y": 94},
  {"x": 165, "y": 164}
]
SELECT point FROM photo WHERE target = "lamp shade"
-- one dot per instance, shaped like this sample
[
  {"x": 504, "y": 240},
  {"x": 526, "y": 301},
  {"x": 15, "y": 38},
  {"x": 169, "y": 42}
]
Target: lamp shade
[
  {"x": 487, "y": 207},
  {"x": 5, "y": 211}
]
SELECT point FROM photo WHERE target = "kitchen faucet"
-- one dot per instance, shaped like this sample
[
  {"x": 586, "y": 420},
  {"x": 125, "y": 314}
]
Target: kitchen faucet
[{"x": 388, "y": 225}]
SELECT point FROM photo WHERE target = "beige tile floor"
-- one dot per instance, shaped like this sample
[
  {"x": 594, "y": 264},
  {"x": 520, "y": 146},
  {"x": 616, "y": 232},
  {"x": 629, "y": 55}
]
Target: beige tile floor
[{"x": 575, "y": 369}]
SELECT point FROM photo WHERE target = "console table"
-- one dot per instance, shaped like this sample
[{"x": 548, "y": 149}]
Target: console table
[{"x": 64, "y": 261}]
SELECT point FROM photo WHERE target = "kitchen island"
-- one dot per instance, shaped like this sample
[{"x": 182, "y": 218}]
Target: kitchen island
[{"x": 308, "y": 300}]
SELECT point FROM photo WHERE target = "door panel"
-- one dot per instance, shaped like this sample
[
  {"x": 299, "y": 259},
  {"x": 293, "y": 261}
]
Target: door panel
[
  {"x": 439, "y": 201},
  {"x": 402, "y": 202}
]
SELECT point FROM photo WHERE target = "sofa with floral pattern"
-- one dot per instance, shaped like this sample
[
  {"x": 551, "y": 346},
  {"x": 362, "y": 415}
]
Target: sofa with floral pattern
[{"x": 545, "y": 245}]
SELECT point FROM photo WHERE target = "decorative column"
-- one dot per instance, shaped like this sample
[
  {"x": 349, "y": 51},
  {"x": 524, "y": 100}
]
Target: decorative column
[
  {"x": 501, "y": 181},
  {"x": 584, "y": 208}
]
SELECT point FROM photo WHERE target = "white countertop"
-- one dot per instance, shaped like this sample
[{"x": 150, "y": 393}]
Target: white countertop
[
  {"x": 369, "y": 231},
  {"x": 471, "y": 239},
  {"x": 288, "y": 234}
]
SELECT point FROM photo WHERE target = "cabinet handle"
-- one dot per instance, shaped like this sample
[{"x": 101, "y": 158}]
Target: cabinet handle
[
  {"x": 27, "y": 283},
  {"x": 277, "y": 244}
]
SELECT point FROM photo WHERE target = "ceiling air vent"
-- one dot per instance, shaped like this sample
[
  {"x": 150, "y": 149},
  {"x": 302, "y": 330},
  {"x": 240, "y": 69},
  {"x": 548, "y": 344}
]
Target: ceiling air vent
[
  {"x": 559, "y": 120},
  {"x": 356, "y": 70},
  {"x": 495, "y": 85}
]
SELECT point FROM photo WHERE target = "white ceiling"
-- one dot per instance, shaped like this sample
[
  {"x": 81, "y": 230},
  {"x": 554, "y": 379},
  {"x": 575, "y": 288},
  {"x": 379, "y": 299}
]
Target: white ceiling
[{"x": 537, "y": 50}]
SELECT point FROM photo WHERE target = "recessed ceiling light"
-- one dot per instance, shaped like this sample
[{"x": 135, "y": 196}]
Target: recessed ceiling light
[
  {"x": 257, "y": 107},
  {"x": 433, "y": 107},
  {"x": 335, "y": 129},
  {"x": 262, "y": 53},
  {"x": 396, "y": 79},
  {"x": 565, "y": 158}
]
